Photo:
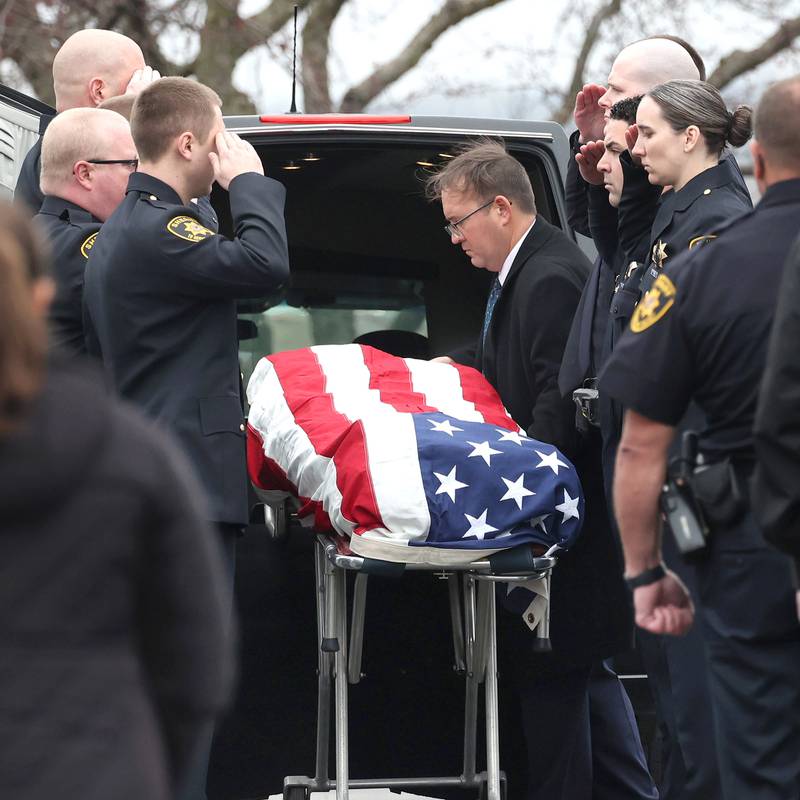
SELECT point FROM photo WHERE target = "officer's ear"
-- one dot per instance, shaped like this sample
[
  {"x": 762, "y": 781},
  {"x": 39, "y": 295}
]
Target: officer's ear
[
  {"x": 98, "y": 91},
  {"x": 82, "y": 170},
  {"x": 759, "y": 165},
  {"x": 186, "y": 145},
  {"x": 692, "y": 136}
]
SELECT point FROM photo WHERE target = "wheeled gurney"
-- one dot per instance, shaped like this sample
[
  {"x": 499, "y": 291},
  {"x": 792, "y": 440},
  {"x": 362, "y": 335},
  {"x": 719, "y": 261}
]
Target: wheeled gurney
[{"x": 408, "y": 465}]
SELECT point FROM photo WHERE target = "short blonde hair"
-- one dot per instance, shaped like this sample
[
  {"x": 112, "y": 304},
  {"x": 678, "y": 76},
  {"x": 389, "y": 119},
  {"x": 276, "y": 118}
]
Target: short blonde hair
[
  {"x": 167, "y": 108},
  {"x": 74, "y": 135}
]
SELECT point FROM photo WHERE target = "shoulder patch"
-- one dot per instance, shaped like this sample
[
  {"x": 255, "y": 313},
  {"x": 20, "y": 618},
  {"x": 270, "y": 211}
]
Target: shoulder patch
[
  {"x": 88, "y": 244},
  {"x": 699, "y": 241},
  {"x": 188, "y": 228},
  {"x": 654, "y": 304}
]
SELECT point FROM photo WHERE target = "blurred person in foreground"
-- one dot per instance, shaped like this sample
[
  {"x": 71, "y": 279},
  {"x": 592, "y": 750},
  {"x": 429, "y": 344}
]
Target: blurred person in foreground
[
  {"x": 115, "y": 648},
  {"x": 700, "y": 335},
  {"x": 91, "y": 66},
  {"x": 87, "y": 156}
]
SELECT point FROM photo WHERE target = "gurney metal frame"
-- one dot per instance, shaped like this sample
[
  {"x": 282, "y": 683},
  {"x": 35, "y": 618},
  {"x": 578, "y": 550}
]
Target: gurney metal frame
[{"x": 472, "y": 608}]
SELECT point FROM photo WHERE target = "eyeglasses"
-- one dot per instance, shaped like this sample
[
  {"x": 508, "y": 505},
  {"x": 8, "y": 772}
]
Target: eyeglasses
[
  {"x": 454, "y": 229},
  {"x": 133, "y": 163}
]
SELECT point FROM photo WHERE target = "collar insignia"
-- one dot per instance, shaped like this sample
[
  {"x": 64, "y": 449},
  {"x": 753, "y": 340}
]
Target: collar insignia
[
  {"x": 189, "y": 229},
  {"x": 654, "y": 305},
  {"x": 88, "y": 244}
]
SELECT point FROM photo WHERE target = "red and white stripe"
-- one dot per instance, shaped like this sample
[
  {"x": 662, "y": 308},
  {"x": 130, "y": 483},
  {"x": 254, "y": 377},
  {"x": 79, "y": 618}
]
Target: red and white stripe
[{"x": 333, "y": 424}]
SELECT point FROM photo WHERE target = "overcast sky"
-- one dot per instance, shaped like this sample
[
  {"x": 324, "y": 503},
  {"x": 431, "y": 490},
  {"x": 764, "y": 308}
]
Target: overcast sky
[{"x": 503, "y": 61}]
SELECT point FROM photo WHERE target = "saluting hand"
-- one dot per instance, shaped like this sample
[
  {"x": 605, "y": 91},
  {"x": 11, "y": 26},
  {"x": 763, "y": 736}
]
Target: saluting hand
[
  {"x": 588, "y": 158},
  {"x": 664, "y": 606},
  {"x": 141, "y": 79},
  {"x": 234, "y": 157},
  {"x": 589, "y": 117},
  {"x": 631, "y": 137}
]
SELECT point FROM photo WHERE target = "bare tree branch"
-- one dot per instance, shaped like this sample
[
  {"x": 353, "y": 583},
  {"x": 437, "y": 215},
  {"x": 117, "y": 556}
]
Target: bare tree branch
[
  {"x": 740, "y": 61},
  {"x": 316, "y": 46},
  {"x": 610, "y": 9},
  {"x": 450, "y": 14}
]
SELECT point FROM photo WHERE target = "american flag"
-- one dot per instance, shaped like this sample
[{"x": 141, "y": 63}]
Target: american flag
[{"x": 404, "y": 455}]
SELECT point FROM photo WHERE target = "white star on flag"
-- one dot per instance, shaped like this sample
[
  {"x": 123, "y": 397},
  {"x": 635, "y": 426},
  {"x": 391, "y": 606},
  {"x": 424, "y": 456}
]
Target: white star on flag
[
  {"x": 478, "y": 526},
  {"x": 540, "y": 522},
  {"x": 449, "y": 484},
  {"x": 444, "y": 427},
  {"x": 516, "y": 490},
  {"x": 552, "y": 461},
  {"x": 485, "y": 451},
  {"x": 569, "y": 508},
  {"x": 511, "y": 436}
]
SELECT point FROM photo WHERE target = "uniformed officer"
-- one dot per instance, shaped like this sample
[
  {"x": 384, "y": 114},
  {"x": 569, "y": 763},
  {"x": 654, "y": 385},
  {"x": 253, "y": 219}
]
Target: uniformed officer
[
  {"x": 87, "y": 157},
  {"x": 776, "y": 482},
  {"x": 91, "y": 66},
  {"x": 161, "y": 288},
  {"x": 701, "y": 334}
]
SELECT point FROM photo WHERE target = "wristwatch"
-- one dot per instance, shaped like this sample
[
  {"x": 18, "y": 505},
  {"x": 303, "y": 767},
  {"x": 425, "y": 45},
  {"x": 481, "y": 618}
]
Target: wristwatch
[{"x": 647, "y": 577}]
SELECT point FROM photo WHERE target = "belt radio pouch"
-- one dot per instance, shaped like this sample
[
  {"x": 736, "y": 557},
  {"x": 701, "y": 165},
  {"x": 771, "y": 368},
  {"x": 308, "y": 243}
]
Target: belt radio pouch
[
  {"x": 680, "y": 508},
  {"x": 718, "y": 491},
  {"x": 586, "y": 402}
]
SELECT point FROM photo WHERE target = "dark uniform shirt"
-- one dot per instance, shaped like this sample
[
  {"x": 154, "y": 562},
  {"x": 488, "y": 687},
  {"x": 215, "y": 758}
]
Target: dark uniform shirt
[
  {"x": 71, "y": 232},
  {"x": 701, "y": 332},
  {"x": 27, "y": 190},
  {"x": 160, "y": 297}
]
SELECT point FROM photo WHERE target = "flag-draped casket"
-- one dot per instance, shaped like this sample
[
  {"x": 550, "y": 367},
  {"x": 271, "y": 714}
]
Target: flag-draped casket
[{"x": 405, "y": 456}]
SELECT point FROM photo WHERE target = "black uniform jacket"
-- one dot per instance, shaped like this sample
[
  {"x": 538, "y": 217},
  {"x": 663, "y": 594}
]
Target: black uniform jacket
[
  {"x": 524, "y": 346},
  {"x": 701, "y": 333},
  {"x": 71, "y": 232},
  {"x": 161, "y": 294},
  {"x": 27, "y": 190},
  {"x": 115, "y": 646},
  {"x": 776, "y": 483}
]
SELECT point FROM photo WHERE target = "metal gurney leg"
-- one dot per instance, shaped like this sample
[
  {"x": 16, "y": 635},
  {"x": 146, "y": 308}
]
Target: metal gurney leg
[{"x": 475, "y": 649}]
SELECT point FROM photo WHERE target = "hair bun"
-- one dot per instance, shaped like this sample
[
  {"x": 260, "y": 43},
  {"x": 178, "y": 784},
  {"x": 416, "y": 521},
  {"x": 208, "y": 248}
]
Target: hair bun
[{"x": 740, "y": 126}]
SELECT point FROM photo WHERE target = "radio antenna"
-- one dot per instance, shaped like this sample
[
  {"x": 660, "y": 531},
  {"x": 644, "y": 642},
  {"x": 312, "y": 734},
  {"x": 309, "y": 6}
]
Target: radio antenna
[{"x": 293, "y": 109}]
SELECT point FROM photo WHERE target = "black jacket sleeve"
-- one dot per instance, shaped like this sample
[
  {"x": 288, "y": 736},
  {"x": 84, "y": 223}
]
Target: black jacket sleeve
[
  {"x": 603, "y": 223},
  {"x": 637, "y": 210},
  {"x": 575, "y": 190},
  {"x": 776, "y": 483},
  {"x": 27, "y": 191}
]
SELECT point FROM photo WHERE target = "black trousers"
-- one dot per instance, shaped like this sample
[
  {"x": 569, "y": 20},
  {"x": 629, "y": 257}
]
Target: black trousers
[{"x": 753, "y": 640}]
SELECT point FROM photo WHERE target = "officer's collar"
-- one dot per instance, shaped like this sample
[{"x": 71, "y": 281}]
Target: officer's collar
[
  {"x": 780, "y": 193},
  {"x": 704, "y": 183},
  {"x": 66, "y": 210},
  {"x": 146, "y": 184}
]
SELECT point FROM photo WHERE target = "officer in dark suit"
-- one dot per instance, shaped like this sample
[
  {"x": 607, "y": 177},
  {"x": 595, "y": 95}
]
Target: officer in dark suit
[
  {"x": 161, "y": 288},
  {"x": 576, "y": 717},
  {"x": 87, "y": 157},
  {"x": 701, "y": 334},
  {"x": 91, "y": 66},
  {"x": 776, "y": 482}
]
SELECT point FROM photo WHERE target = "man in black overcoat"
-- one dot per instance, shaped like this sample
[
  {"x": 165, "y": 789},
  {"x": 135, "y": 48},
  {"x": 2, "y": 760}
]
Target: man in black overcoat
[{"x": 576, "y": 717}]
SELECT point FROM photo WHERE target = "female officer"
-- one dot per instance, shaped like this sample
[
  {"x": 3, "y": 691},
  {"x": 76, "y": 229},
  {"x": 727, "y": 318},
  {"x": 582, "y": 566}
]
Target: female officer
[
  {"x": 115, "y": 645},
  {"x": 683, "y": 127}
]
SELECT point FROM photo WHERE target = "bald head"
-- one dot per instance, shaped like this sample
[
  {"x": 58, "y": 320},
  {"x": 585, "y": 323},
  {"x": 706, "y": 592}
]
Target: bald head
[
  {"x": 93, "y": 65},
  {"x": 75, "y": 138},
  {"x": 777, "y": 121},
  {"x": 645, "y": 64}
]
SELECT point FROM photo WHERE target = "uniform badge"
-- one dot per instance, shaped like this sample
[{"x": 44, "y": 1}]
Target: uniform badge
[
  {"x": 188, "y": 228},
  {"x": 654, "y": 304},
  {"x": 88, "y": 244},
  {"x": 659, "y": 253},
  {"x": 699, "y": 241}
]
